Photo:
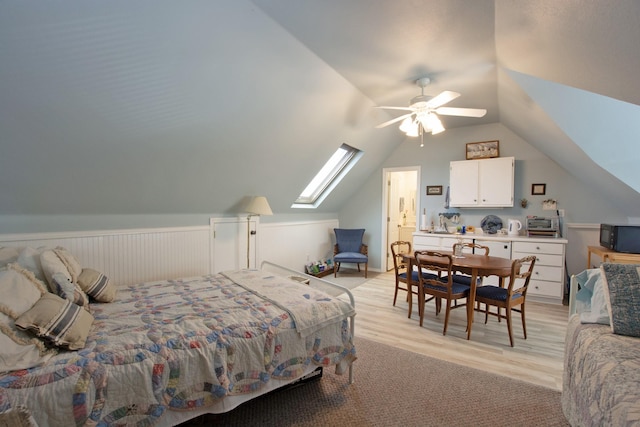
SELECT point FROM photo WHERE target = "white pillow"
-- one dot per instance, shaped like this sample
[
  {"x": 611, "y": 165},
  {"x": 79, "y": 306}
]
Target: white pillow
[
  {"x": 52, "y": 264},
  {"x": 20, "y": 291},
  {"x": 8, "y": 255},
  {"x": 70, "y": 261},
  {"x": 21, "y": 350},
  {"x": 598, "y": 311},
  {"x": 30, "y": 259}
]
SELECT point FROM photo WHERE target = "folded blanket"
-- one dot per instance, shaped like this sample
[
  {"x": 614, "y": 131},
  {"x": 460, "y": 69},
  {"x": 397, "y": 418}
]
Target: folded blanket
[{"x": 309, "y": 308}]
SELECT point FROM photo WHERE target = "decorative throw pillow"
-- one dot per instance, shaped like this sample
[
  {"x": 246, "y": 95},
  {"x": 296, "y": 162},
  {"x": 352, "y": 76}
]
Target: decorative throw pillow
[
  {"x": 30, "y": 259},
  {"x": 19, "y": 292},
  {"x": 622, "y": 290},
  {"x": 51, "y": 264},
  {"x": 70, "y": 261},
  {"x": 21, "y": 350},
  {"x": 97, "y": 285},
  {"x": 8, "y": 255},
  {"x": 57, "y": 321},
  {"x": 70, "y": 291}
]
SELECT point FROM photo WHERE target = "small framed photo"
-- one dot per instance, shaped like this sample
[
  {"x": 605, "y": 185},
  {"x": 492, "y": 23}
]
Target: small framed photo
[
  {"x": 483, "y": 150},
  {"x": 538, "y": 189},
  {"x": 434, "y": 190}
]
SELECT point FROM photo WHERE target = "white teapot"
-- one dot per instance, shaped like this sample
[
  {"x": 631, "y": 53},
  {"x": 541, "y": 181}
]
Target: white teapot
[{"x": 514, "y": 227}]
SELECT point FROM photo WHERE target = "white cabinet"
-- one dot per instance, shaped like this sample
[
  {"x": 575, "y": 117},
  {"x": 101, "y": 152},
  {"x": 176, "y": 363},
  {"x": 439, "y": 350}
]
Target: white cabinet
[
  {"x": 547, "y": 280},
  {"x": 482, "y": 183},
  {"x": 497, "y": 248},
  {"x": 435, "y": 242}
]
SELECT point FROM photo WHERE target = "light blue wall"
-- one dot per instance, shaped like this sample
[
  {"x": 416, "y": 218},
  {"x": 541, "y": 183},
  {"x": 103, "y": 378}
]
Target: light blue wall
[{"x": 581, "y": 205}]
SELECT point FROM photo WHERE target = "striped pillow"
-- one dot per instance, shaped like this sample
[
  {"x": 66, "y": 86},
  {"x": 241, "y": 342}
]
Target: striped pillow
[
  {"x": 63, "y": 287},
  {"x": 97, "y": 285},
  {"x": 57, "y": 321}
]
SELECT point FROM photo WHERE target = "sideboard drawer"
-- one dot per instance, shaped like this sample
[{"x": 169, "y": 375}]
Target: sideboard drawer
[
  {"x": 538, "y": 248},
  {"x": 546, "y": 289},
  {"x": 545, "y": 272},
  {"x": 542, "y": 259}
]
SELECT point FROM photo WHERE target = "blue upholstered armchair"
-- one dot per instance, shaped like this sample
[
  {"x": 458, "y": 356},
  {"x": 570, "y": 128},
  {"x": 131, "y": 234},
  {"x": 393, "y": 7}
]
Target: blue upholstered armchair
[{"x": 350, "y": 249}]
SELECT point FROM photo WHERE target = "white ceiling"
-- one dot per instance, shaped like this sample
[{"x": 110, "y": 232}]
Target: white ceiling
[{"x": 141, "y": 106}]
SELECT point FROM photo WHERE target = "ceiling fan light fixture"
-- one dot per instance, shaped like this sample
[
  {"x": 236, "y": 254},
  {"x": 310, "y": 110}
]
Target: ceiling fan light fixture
[
  {"x": 413, "y": 130},
  {"x": 437, "y": 129},
  {"x": 406, "y": 124}
]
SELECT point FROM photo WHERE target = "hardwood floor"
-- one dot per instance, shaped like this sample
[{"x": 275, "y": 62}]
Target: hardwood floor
[{"x": 538, "y": 359}]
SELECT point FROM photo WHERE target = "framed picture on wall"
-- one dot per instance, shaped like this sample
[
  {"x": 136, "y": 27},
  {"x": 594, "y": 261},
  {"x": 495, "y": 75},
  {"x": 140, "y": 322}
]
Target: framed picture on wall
[
  {"x": 434, "y": 190},
  {"x": 538, "y": 189},
  {"x": 483, "y": 150}
]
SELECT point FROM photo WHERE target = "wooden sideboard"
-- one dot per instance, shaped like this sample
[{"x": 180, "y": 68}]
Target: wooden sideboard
[{"x": 607, "y": 255}]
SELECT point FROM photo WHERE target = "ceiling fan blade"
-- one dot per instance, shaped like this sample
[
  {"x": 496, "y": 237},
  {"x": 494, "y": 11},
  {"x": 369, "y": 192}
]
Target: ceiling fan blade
[
  {"x": 392, "y": 121},
  {"x": 464, "y": 112},
  {"x": 442, "y": 99},
  {"x": 394, "y": 108}
]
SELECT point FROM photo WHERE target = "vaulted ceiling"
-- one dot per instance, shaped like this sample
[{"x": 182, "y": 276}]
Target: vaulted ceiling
[{"x": 156, "y": 106}]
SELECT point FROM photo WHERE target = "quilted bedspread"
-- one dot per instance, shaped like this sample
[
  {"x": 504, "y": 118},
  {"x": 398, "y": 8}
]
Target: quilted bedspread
[
  {"x": 601, "y": 383},
  {"x": 185, "y": 344}
]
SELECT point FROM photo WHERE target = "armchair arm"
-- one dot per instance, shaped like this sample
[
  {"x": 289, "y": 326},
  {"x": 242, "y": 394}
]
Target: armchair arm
[
  {"x": 336, "y": 250},
  {"x": 364, "y": 249}
]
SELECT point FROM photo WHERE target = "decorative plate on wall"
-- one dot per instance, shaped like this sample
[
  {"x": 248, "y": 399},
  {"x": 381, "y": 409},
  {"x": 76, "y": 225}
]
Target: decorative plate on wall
[{"x": 491, "y": 224}]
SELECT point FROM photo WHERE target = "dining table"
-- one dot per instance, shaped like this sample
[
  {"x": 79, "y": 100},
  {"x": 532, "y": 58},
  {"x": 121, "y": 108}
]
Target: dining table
[{"x": 475, "y": 265}]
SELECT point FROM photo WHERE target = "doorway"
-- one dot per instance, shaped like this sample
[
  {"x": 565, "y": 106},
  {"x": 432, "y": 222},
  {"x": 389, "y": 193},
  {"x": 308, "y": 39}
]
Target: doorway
[{"x": 400, "y": 208}]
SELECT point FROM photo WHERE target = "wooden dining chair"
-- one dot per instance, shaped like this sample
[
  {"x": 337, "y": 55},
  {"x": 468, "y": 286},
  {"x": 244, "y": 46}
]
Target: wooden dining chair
[
  {"x": 441, "y": 287},
  {"x": 511, "y": 298},
  {"x": 401, "y": 268},
  {"x": 471, "y": 247}
]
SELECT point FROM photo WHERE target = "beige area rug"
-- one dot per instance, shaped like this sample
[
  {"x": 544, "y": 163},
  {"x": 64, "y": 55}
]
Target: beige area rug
[
  {"x": 351, "y": 278},
  {"x": 399, "y": 388}
]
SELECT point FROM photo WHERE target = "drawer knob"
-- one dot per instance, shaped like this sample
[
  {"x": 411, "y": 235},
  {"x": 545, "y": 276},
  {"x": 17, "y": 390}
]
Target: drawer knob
[
  {"x": 536, "y": 272},
  {"x": 537, "y": 248}
]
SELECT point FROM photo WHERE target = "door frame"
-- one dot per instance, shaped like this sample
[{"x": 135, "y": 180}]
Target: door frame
[{"x": 385, "y": 206}]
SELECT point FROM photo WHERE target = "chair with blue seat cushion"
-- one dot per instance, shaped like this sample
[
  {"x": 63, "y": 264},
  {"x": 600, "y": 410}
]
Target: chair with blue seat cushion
[
  {"x": 398, "y": 250},
  {"x": 349, "y": 248},
  {"x": 442, "y": 287},
  {"x": 510, "y": 298},
  {"x": 470, "y": 248}
]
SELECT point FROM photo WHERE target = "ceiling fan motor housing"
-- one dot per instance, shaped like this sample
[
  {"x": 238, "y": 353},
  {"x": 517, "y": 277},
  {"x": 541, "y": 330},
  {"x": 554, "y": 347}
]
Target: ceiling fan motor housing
[{"x": 417, "y": 100}]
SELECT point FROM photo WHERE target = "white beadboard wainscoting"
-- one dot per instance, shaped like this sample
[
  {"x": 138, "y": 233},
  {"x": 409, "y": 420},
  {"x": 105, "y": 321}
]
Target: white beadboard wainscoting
[
  {"x": 294, "y": 244},
  {"x": 139, "y": 255},
  {"x": 580, "y": 236},
  {"x": 131, "y": 256}
]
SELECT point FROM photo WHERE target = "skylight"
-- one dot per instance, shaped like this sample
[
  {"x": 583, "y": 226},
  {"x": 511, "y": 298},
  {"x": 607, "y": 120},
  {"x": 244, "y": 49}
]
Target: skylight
[{"x": 328, "y": 178}]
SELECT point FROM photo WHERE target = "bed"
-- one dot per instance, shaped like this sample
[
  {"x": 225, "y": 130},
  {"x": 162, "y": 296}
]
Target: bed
[{"x": 163, "y": 352}]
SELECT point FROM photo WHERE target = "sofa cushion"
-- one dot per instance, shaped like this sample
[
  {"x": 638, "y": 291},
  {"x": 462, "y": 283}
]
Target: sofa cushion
[{"x": 622, "y": 290}]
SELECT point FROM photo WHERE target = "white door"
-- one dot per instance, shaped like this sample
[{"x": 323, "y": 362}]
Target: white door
[
  {"x": 401, "y": 194},
  {"x": 463, "y": 183},
  {"x": 230, "y": 244},
  {"x": 393, "y": 215},
  {"x": 496, "y": 181}
]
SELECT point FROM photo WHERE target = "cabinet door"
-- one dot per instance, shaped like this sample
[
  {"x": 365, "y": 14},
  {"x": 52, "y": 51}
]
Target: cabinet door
[
  {"x": 495, "y": 179},
  {"x": 463, "y": 183}
]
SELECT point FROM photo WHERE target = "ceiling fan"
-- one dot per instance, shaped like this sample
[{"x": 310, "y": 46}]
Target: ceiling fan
[{"x": 424, "y": 111}]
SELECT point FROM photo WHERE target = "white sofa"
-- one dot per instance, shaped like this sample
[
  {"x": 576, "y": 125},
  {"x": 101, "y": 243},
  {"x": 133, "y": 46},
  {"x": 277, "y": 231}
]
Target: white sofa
[{"x": 601, "y": 383}]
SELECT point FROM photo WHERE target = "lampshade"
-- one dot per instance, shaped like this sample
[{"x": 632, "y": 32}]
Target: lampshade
[
  {"x": 259, "y": 206},
  {"x": 406, "y": 124},
  {"x": 413, "y": 129}
]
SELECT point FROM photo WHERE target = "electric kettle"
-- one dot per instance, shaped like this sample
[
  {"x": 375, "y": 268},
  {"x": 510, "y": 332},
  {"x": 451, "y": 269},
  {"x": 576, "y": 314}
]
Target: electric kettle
[{"x": 514, "y": 227}]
